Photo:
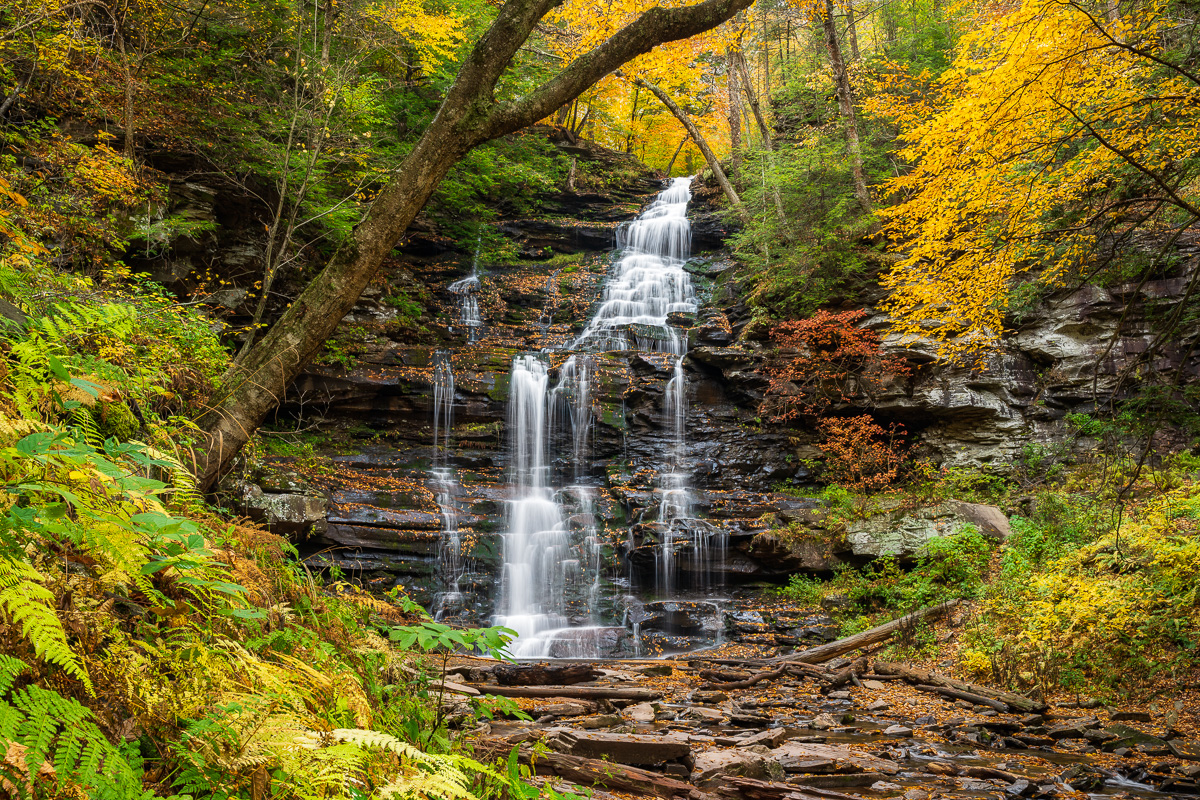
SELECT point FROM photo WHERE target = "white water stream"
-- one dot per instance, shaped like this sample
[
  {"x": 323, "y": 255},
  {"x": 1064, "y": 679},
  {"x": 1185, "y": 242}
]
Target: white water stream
[{"x": 546, "y": 555}]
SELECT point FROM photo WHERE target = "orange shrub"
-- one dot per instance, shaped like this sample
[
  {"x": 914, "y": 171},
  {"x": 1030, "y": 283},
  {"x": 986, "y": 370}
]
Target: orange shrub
[{"x": 860, "y": 454}]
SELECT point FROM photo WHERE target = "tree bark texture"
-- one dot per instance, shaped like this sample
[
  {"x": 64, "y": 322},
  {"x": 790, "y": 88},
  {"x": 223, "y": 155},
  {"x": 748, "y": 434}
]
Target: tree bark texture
[
  {"x": 735, "y": 114},
  {"x": 469, "y": 116},
  {"x": 702, "y": 143},
  {"x": 845, "y": 105}
]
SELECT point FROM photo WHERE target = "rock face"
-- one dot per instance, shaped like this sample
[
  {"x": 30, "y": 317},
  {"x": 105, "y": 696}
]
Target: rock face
[{"x": 381, "y": 515}]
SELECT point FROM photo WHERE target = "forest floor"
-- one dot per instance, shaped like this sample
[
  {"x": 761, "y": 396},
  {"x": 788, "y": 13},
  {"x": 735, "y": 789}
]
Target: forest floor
[{"x": 798, "y": 737}]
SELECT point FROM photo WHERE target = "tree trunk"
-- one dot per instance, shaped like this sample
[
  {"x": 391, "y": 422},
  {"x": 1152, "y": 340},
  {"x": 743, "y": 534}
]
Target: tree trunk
[
  {"x": 768, "y": 144},
  {"x": 735, "y": 114},
  {"x": 852, "y": 31},
  {"x": 544, "y": 674},
  {"x": 469, "y": 115},
  {"x": 880, "y": 633},
  {"x": 846, "y": 106},
  {"x": 632, "y": 117},
  {"x": 675, "y": 155},
  {"x": 702, "y": 143},
  {"x": 574, "y": 692},
  {"x": 926, "y": 677},
  {"x": 752, "y": 97}
]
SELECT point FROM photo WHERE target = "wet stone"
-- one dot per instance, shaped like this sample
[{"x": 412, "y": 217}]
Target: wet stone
[
  {"x": 600, "y": 721},
  {"x": 1187, "y": 750},
  {"x": 770, "y": 738}
]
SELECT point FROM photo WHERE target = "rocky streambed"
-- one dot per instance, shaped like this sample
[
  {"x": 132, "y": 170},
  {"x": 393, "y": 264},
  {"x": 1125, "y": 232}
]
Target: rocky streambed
[{"x": 675, "y": 728}]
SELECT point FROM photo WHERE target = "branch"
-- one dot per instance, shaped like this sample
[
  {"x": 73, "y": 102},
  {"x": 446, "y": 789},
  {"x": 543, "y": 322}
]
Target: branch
[
  {"x": 1162, "y": 184},
  {"x": 654, "y": 27}
]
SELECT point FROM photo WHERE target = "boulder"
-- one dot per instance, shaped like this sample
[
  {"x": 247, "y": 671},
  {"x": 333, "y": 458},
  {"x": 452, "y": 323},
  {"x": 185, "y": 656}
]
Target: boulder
[
  {"x": 286, "y": 514},
  {"x": 624, "y": 748},
  {"x": 846, "y": 759},
  {"x": 714, "y": 766},
  {"x": 905, "y": 534}
]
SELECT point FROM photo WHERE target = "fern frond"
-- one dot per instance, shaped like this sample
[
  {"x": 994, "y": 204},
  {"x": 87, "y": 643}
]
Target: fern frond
[
  {"x": 30, "y": 605},
  {"x": 10, "y": 668},
  {"x": 184, "y": 488}
]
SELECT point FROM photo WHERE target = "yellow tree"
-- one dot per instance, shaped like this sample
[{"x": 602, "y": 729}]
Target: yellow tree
[{"x": 1062, "y": 129}]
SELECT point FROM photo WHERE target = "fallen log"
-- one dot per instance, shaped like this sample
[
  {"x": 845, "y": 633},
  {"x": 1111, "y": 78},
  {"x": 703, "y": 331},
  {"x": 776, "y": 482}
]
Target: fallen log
[
  {"x": 990, "y": 773},
  {"x": 880, "y": 633},
  {"x": 544, "y": 674},
  {"x": 443, "y": 684},
  {"x": 575, "y": 692},
  {"x": 927, "y": 677},
  {"x": 723, "y": 675},
  {"x": 844, "y": 676},
  {"x": 977, "y": 699},
  {"x": 758, "y": 677},
  {"x": 799, "y": 669},
  {"x": 591, "y": 772}
]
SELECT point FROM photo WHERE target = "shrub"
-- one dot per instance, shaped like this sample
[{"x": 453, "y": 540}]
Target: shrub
[
  {"x": 824, "y": 360},
  {"x": 860, "y": 454},
  {"x": 803, "y": 588}
]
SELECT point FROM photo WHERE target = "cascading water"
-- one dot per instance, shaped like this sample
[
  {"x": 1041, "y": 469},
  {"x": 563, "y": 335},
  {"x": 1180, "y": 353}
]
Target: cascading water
[
  {"x": 445, "y": 487},
  {"x": 542, "y": 559},
  {"x": 468, "y": 301},
  {"x": 540, "y": 563},
  {"x": 648, "y": 283}
]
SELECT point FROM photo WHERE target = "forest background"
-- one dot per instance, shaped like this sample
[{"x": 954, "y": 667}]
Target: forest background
[{"x": 969, "y": 158}]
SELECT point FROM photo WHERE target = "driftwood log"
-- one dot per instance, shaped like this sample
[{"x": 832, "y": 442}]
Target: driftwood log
[
  {"x": 746, "y": 683},
  {"x": 544, "y": 674},
  {"x": 926, "y": 677},
  {"x": 977, "y": 699},
  {"x": 576, "y": 692},
  {"x": 880, "y": 633},
  {"x": 848, "y": 673},
  {"x": 591, "y": 772}
]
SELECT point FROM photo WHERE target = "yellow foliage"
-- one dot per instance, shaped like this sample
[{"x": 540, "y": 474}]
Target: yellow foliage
[
  {"x": 1120, "y": 602},
  {"x": 434, "y": 36},
  {"x": 1047, "y": 115}
]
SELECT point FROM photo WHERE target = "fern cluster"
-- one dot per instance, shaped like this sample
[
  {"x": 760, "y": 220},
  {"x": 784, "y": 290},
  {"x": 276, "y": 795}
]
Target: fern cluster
[{"x": 59, "y": 748}]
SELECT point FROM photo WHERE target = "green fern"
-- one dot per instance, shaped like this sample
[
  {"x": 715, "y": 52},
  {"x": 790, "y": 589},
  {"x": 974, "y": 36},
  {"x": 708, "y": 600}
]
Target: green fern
[
  {"x": 30, "y": 605},
  {"x": 61, "y": 733}
]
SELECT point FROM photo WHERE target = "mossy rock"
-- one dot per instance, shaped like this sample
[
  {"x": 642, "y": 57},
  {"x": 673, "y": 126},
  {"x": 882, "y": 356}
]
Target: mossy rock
[{"x": 116, "y": 421}]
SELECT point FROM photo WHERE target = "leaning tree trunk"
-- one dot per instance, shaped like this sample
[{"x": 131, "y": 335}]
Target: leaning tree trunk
[
  {"x": 845, "y": 105},
  {"x": 702, "y": 143},
  {"x": 468, "y": 116}
]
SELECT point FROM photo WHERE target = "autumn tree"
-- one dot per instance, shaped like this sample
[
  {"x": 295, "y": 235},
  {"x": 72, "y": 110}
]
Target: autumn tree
[
  {"x": 473, "y": 111},
  {"x": 1061, "y": 135}
]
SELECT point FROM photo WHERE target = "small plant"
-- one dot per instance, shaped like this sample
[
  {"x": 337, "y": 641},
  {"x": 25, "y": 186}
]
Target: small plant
[{"x": 803, "y": 588}]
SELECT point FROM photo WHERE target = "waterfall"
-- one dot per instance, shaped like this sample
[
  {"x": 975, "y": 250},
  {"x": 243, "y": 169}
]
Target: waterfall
[
  {"x": 443, "y": 404},
  {"x": 549, "y": 553},
  {"x": 468, "y": 301},
  {"x": 648, "y": 283},
  {"x": 540, "y": 561},
  {"x": 449, "y": 600}
]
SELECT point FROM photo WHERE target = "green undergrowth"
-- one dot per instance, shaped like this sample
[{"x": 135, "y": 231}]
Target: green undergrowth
[
  {"x": 1095, "y": 589},
  {"x": 149, "y": 645}
]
